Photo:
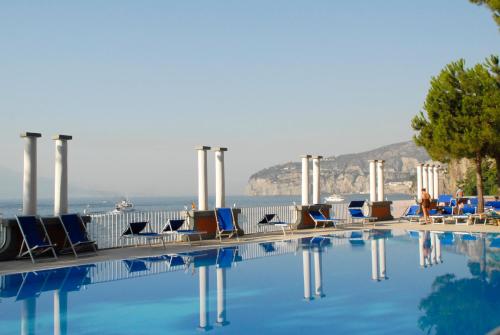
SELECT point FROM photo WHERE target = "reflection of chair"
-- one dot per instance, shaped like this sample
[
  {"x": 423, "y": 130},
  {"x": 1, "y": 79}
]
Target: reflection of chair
[
  {"x": 273, "y": 220},
  {"x": 318, "y": 217},
  {"x": 446, "y": 238},
  {"x": 412, "y": 213},
  {"x": 76, "y": 277},
  {"x": 135, "y": 265},
  {"x": 225, "y": 223},
  {"x": 226, "y": 257},
  {"x": 466, "y": 236},
  {"x": 495, "y": 243},
  {"x": 137, "y": 230},
  {"x": 76, "y": 232},
  {"x": 413, "y": 233},
  {"x": 32, "y": 285},
  {"x": 268, "y": 246},
  {"x": 356, "y": 211},
  {"x": 172, "y": 227},
  {"x": 356, "y": 238},
  {"x": 35, "y": 237}
]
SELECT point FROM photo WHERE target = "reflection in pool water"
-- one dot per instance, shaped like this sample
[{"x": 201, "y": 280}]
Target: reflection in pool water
[{"x": 443, "y": 283}]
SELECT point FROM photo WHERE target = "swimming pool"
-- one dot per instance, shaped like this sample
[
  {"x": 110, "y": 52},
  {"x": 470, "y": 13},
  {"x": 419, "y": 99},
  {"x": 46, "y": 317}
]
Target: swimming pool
[{"x": 370, "y": 282}]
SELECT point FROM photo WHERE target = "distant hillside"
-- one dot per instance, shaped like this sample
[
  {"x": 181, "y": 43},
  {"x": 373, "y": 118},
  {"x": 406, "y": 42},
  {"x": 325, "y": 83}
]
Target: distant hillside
[{"x": 345, "y": 173}]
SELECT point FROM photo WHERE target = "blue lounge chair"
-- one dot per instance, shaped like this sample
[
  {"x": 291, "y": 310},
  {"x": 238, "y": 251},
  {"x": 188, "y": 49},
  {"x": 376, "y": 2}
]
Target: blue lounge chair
[
  {"x": 76, "y": 233},
  {"x": 172, "y": 227},
  {"x": 137, "y": 230},
  {"x": 356, "y": 211},
  {"x": 466, "y": 212},
  {"x": 35, "y": 237},
  {"x": 274, "y": 220},
  {"x": 444, "y": 199},
  {"x": 412, "y": 213},
  {"x": 493, "y": 204},
  {"x": 319, "y": 217},
  {"x": 225, "y": 223},
  {"x": 440, "y": 217}
]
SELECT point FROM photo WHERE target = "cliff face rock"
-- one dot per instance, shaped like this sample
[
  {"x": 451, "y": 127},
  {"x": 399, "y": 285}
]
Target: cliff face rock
[{"x": 345, "y": 173}]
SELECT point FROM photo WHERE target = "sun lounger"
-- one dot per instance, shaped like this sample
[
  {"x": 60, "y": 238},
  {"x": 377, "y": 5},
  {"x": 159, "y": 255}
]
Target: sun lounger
[
  {"x": 319, "y": 218},
  {"x": 444, "y": 199},
  {"x": 225, "y": 223},
  {"x": 137, "y": 230},
  {"x": 466, "y": 212},
  {"x": 35, "y": 237},
  {"x": 76, "y": 233},
  {"x": 172, "y": 227},
  {"x": 356, "y": 211},
  {"x": 440, "y": 217},
  {"x": 412, "y": 213},
  {"x": 273, "y": 220}
]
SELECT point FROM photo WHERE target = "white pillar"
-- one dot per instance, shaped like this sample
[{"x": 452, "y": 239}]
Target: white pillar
[
  {"x": 430, "y": 182},
  {"x": 316, "y": 179},
  {"x": 220, "y": 185},
  {"x": 305, "y": 179},
  {"x": 380, "y": 180},
  {"x": 374, "y": 260},
  {"x": 381, "y": 256},
  {"x": 373, "y": 181},
  {"x": 202, "y": 178},
  {"x": 61, "y": 174},
  {"x": 421, "y": 239},
  {"x": 60, "y": 312},
  {"x": 221, "y": 297},
  {"x": 318, "y": 274},
  {"x": 306, "y": 262},
  {"x": 203, "y": 282},
  {"x": 29, "y": 178},
  {"x": 425, "y": 177},
  {"x": 28, "y": 316},
  {"x": 436, "y": 181},
  {"x": 419, "y": 181}
]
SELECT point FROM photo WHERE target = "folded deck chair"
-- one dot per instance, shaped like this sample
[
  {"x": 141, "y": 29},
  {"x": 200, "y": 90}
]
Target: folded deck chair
[
  {"x": 137, "y": 230},
  {"x": 172, "y": 227},
  {"x": 320, "y": 218},
  {"x": 35, "y": 237},
  {"x": 273, "y": 220},
  {"x": 76, "y": 233},
  {"x": 444, "y": 199},
  {"x": 412, "y": 213},
  {"x": 356, "y": 211},
  {"x": 225, "y": 223}
]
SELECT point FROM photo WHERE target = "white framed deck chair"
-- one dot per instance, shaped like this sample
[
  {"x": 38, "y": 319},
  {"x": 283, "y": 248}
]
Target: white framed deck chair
[
  {"x": 76, "y": 233},
  {"x": 225, "y": 223},
  {"x": 35, "y": 237},
  {"x": 173, "y": 227}
]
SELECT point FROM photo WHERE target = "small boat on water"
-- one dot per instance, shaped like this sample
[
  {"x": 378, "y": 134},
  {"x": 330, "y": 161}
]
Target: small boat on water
[
  {"x": 334, "y": 198},
  {"x": 123, "y": 206}
]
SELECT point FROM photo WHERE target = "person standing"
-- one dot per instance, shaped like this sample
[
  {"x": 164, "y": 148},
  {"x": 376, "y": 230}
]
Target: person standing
[{"x": 426, "y": 205}]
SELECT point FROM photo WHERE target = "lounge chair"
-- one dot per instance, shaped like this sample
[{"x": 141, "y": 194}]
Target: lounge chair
[
  {"x": 495, "y": 205},
  {"x": 412, "y": 213},
  {"x": 444, "y": 199},
  {"x": 136, "y": 230},
  {"x": 319, "y": 217},
  {"x": 466, "y": 212},
  {"x": 172, "y": 227},
  {"x": 76, "y": 233},
  {"x": 473, "y": 202},
  {"x": 35, "y": 237},
  {"x": 440, "y": 217},
  {"x": 356, "y": 211},
  {"x": 225, "y": 223},
  {"x": 273, "y": 220}
]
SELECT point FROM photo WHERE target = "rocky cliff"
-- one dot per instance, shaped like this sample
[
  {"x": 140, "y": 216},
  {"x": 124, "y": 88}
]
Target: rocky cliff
[{"x": 345, "y": 173}]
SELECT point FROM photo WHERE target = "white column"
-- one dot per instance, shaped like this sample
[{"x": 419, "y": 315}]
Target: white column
[
  {"x": 430, "y": 182},
  {"x": 306, "y": 262},
  {"x": 421, "y": 257},
  {"x": 419, "y": 181},
  {"x": 29, "y": 178},
  {"x": 221, "y": 297},
  {"x": 203, "y": 281},
  {"x": 436, "y": 181},
  {"x": 61, "y": 174},
  {"x": 381, "y": 257},
  {"x": 202, "y": 178},
  {"x": 373, "y": 181},
  {"x": 220, "y": 185},
  {"x": 305, "y": 179},
  {"x": 380, "y": 180},
  {"x": 28, "y": 316},
  {"x": 60, "y": 312},
  {"x": 318, "y": 274},
  {"x": 425, "y": 177},
  {"x": 316, "y": 179},
  {"x": 374, "y": 260}
]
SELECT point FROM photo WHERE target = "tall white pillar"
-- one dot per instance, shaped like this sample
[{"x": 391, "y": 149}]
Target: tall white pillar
[
  {"x": 202, "y": 178},
  {"x": 318, "y": 274},
  {"x": 61, "y": 174},
  {"x": 419, "y": 181},
  {"x": 306, "y": 262},
  {"x": 380, "y": 180},
  {"x": 436, "y": 181},
  {"x": 305, "y": 179},
  {"x": 220, "y": 184},
  {"x": 430, "y": 182},
  {"x": 29, "y": 177},
  {"x": 203, "y": 282},
  {"x": 425, "y": 177},
  {"x": 373, "y": 181},
  {"x": 316, "y": 179},
  {"x": 421, "y": 256},
  {"x": 375, "y": 260},
  {"x": 60, "y": 312},
  {"x": 381, "y": 257},
  {"x": 28, "y": 316},
  {"x": 221, "y": 297}
]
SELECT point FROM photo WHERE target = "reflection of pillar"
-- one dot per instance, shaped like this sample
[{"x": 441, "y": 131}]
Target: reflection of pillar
[
  {"x": 318, "y": 274},
  {"x": 380, "y": 180},
  {"x": 374, "y": 260},
  {"x": 436, "y": 181},
  {"x": 421, "y": 239},
  {"x": 28, "y": 316},
  {"x": 438, "y": 250},
  {"x": 419, "y": 182},
  {"x": 60, "y": 312},
  {"x": 433, "y": 248},
  {"x": 381, "y": 258},
  {"x": 203, "y": 278},
  {"x": 373, "y": 181},
  {"x": 220, "y": 192},
  {"x": 306, "y": 261},
  {"x": 316, "y": 179},
  {"x": 202, "y": 177},
  {"x": 61, "y": 175},
  {"x": 221, "y": 297},
  {"x": 430, "y": 174},
  {"x": 305, "y": 179},
  {"x": 30, "y": 173},
  {"x": 425, "y": 177}
]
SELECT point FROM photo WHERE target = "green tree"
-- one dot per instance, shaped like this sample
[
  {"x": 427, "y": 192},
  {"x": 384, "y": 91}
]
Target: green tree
[
  {"x": 468, "y": 184},
  {"x": 493, "y": 5},
  {"x": 492, "y": 64},
  {"x": 459, "y": 121}
]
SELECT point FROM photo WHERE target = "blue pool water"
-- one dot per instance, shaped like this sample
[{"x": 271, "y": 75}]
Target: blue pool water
[{"x": 370, "y": 282}]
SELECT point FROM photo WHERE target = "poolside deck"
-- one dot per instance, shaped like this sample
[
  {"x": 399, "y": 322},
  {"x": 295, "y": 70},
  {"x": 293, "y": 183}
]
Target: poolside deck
[{"x": 172, "y": 248}]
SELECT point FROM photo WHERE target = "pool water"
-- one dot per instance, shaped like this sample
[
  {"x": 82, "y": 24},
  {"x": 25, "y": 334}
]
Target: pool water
[{"x": 369, "y": 282}]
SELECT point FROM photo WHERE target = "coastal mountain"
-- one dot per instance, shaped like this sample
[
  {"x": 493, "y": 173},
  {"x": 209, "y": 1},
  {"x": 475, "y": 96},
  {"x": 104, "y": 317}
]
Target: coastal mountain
[{"x": 345, "y": 173}]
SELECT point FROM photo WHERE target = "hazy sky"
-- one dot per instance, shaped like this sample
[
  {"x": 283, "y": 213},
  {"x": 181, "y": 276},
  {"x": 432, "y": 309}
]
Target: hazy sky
[{"x": 140, "y": 83}]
